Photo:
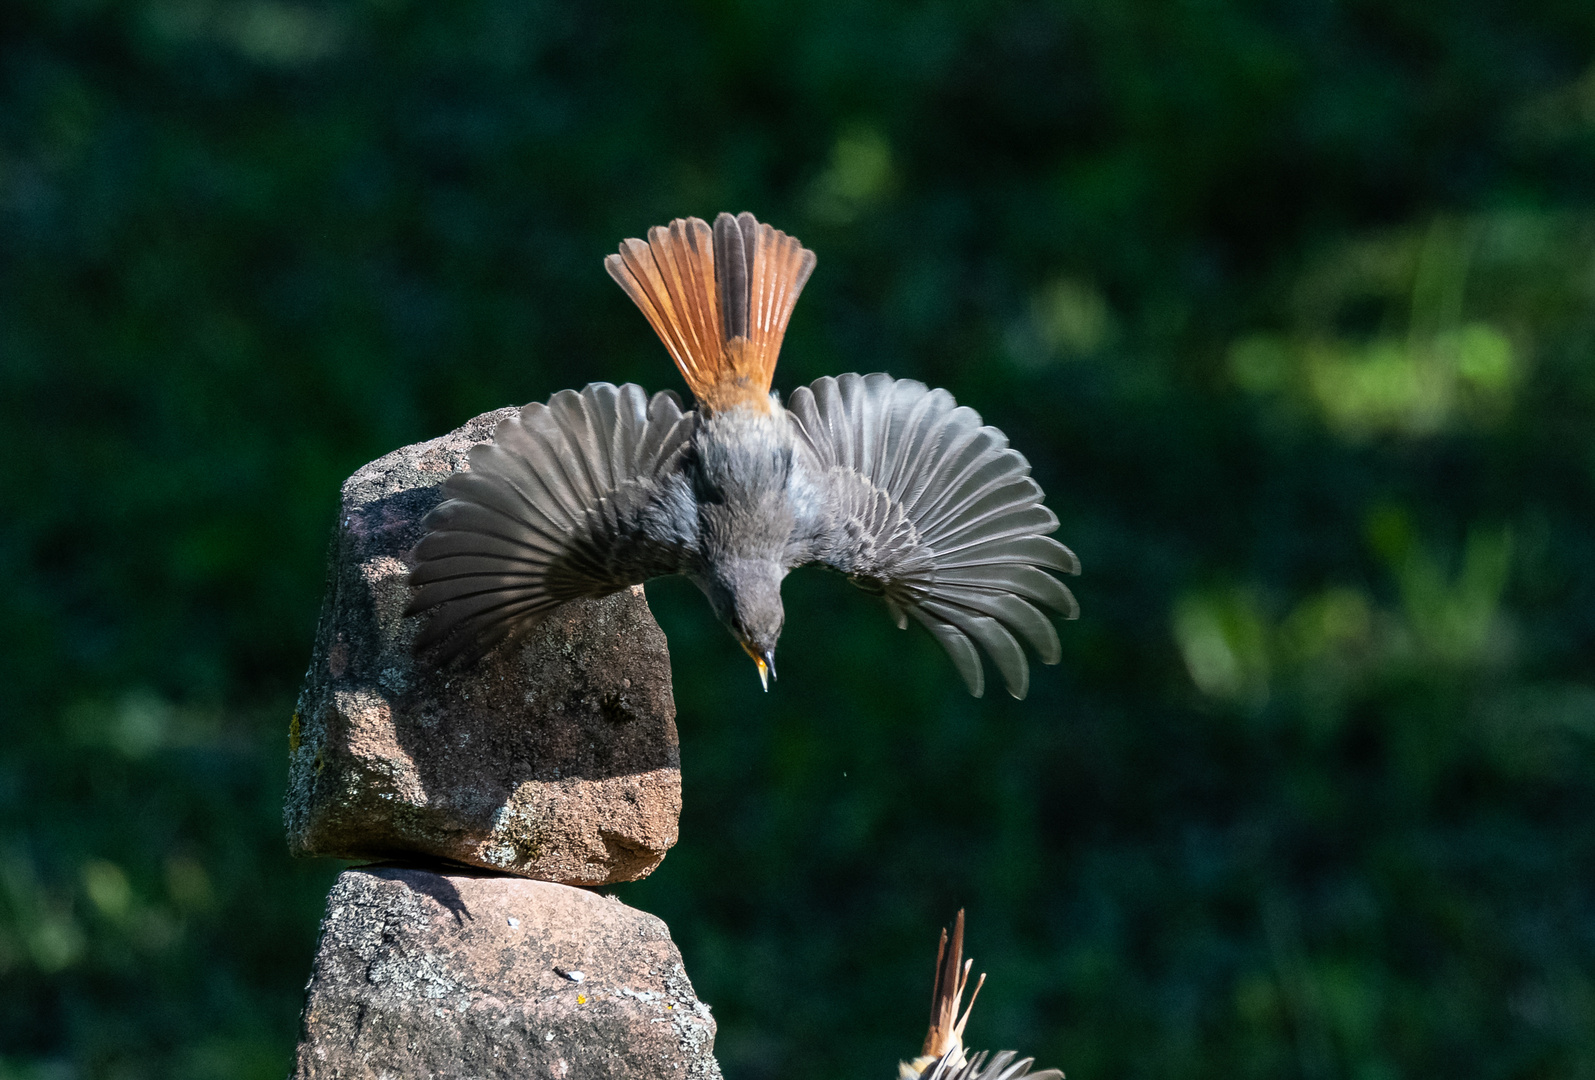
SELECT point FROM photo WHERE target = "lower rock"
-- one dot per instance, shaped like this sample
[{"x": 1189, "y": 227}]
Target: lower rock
[{"x": 422, "y": 974}]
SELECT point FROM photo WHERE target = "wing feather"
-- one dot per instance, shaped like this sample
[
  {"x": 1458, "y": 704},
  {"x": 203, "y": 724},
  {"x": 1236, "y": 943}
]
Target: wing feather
[
  {"x": 510, "y": 498},
  {"x": 964, "y": 655},
  {"x": 447, "y": 544},
  {"x": 1006, "y": 1065},
  {"x": 977, "y": 466},
  {"x": 542, "y": 482},
  {"x": 991, "y": 636},
  {"x": 1027, "y": 547},
  {"x": 1021, "y": 580},
  {"x": 1022, "y": 521},
  {"x": 960, "y": 438},
  {"x": 485, "y": 620},
  {"x": 522, "y": 527},
  {"x": 666, "y": 430},
  {"x": 984, "y": 493},
  {"x": 462, "y": 566},
  {"x": 1016, "y": 613},
  {"x": 928, "y": 408}
]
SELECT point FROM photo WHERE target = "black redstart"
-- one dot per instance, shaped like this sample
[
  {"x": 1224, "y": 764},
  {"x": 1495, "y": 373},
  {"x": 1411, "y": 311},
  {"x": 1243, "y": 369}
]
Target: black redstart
[{"x": 885, "y": 480}]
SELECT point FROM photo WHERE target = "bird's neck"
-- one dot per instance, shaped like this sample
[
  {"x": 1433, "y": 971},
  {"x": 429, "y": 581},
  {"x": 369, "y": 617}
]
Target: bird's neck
[
  {"x": 748, "y": 425},
  {"x": 744, "y": 465},
  {"x": 743, "y": 452}
]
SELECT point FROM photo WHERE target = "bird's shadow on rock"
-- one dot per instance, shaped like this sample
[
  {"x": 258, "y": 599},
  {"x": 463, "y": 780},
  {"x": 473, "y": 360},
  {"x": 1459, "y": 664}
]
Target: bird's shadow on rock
[{"x": 432, "y": 883}]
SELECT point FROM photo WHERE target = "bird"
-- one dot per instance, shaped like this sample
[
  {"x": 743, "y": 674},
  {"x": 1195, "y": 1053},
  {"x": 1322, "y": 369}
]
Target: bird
[
  {"x": 943, "y": 1056},
  {"x": 888, "y": 481}
]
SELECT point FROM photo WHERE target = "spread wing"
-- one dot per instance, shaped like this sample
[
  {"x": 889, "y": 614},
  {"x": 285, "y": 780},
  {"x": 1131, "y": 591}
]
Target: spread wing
[
  {"x": 924, "y": 504},
  {"x": 1006, "y": 1065},
  {"x": 573, "y": 498}
]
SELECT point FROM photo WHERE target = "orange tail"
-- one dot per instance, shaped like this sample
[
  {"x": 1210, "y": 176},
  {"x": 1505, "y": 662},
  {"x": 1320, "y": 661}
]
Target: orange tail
[
  {"x": 719, "y": 299},
  {"x": 952, "y": 977}
]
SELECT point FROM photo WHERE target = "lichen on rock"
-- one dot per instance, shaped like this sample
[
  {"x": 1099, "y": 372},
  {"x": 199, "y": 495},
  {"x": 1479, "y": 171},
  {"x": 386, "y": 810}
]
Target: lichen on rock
[{"x": 458, "y": 975}]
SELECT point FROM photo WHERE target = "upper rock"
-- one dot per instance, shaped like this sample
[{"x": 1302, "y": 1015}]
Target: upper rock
[{"x": 553, "y": 757}]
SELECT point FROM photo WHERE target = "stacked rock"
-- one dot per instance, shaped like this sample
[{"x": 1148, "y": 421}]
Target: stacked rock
[{"x": 495, "y": 795}]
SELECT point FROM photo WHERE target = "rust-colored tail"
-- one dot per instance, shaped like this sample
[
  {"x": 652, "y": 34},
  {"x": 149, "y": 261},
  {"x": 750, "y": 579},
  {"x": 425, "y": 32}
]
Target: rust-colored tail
[
  {"x": 952, "y": 976},
  {"x": 719, "y": 299}
]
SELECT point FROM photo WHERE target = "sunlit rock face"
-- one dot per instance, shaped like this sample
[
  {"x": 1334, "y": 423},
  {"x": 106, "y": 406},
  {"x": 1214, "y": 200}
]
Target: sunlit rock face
[
  {"x": 454, "y": 975},
  {"x": 553, "y": 757}
]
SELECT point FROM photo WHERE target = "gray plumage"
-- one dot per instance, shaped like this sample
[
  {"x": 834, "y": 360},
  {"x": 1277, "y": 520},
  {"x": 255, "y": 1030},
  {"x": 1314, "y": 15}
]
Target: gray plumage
[
  {"x": 882, "y": 479},
  {"x": 1006, "y": 1065}
]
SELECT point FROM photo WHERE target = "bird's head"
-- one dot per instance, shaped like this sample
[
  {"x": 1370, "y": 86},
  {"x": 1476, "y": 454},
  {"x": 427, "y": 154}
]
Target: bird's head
[{"x": 746, "y": 597}]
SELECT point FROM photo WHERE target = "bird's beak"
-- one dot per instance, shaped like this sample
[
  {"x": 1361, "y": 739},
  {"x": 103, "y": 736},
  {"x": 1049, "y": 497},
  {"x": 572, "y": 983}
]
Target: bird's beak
[{"x": 766, "y": 665}]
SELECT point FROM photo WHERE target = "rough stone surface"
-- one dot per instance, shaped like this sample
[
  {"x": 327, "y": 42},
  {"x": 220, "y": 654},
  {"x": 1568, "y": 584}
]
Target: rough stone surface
[
  {"x": 553, "y": 757},
  {"x": 420, "y": 974}
]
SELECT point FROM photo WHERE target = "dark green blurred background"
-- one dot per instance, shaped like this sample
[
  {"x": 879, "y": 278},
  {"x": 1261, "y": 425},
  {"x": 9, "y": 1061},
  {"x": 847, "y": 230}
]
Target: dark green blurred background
[{"x": 1291, "y": 305}]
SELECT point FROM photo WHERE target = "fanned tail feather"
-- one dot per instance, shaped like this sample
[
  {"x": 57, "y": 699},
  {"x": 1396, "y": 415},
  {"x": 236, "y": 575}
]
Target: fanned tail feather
[{"x": 719, "y": 299}]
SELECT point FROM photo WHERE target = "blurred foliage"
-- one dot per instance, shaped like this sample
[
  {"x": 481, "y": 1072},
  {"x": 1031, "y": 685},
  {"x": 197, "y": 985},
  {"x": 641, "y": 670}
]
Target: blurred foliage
[{"x": 1290, "y": 306}]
